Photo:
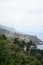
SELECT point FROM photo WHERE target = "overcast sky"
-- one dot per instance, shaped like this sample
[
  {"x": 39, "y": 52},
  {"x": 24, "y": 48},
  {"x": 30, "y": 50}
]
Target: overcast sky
[{"x": 24, "y": 15}]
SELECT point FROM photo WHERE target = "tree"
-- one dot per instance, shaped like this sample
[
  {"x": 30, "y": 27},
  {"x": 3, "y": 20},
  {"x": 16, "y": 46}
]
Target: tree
[
  {"x": 16, "y": 41},
  {"x": 3, "y": 37},
  {"x": 29, "y": 44},
  {"x": 21, "y": 43}
]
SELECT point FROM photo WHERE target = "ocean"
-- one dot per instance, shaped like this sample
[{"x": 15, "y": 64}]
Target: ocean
[{"x": 40, "y": 36}]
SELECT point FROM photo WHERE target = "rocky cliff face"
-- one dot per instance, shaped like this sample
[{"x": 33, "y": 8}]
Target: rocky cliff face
[{"x": 12, "y": 35}]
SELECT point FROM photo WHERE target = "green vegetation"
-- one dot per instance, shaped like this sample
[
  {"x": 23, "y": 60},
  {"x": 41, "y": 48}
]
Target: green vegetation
[
  {"x": 3, "y": 37},
  {"x": 12, "y": 53}
]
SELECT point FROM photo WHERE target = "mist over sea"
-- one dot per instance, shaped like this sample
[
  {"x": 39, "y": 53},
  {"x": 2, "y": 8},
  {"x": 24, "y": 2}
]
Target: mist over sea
[{"x": 40, "y": 36}]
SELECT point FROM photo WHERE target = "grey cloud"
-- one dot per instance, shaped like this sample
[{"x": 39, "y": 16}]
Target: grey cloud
[{"x": 28, "y": 13}]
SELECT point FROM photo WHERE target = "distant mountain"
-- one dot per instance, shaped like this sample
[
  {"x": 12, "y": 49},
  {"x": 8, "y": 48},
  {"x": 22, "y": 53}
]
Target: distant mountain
[
  {"x": 8, "y": 28},
  {"x": 11, "y": 35}
]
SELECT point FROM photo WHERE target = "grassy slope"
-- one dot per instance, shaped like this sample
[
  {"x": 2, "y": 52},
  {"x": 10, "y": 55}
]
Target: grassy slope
[{"x": 12, "y": 54}]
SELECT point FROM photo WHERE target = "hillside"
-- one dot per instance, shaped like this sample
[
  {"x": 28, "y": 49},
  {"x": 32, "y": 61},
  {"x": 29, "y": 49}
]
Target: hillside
[
  {"x": 13, "y": 54},
  {"x": 11, "y": 35}
]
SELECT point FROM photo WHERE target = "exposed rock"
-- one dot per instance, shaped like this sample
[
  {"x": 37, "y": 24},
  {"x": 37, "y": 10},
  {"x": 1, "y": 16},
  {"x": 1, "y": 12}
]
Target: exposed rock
[{"x": 12, "y": 35}]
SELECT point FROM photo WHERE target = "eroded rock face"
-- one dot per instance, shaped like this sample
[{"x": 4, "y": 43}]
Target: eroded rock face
[{"x": 12, "y": 35}]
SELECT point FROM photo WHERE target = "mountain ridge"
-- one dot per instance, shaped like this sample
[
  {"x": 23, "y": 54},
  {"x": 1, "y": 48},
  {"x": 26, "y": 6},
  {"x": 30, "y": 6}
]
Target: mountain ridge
[
  {"x": 8, "y": 28},
  {"x": 11, "y": 35}
]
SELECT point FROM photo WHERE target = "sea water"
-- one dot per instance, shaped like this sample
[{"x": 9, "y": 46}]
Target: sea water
[{"x": 40, "y": 36}]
